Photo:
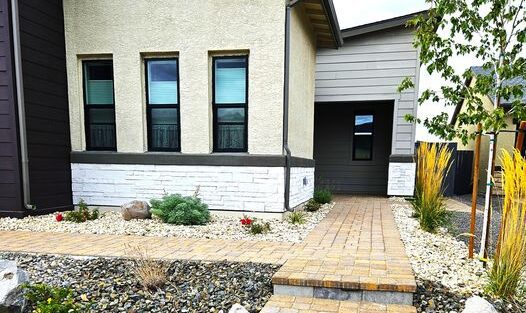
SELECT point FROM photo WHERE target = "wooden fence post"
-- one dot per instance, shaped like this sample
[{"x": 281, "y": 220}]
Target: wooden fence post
[
  {"x": 520, "y": 136},
  {"x": 474, "y": 193}
]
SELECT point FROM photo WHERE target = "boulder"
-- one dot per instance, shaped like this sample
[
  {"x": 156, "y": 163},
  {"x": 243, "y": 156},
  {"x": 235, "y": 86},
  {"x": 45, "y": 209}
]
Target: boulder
[
  {"x": 237, "y": 308},
  {"x": 11, "y": 294},
  {"x": 478, "y": 305},
  {"x": 136, "y": 210}
]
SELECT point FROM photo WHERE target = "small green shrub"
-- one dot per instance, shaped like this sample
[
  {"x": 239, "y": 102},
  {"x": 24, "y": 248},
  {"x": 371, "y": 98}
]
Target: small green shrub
[
  {"x": 43, "y": 298},
  {"x": 179, "y": 210},
  {"x": 259, "y": 228},
  {"x": 312, "y": 206},
  {"x": 322, "y": 195},
  {"x": 296, "y": 217},
  {"x": 83, "y": 214}
]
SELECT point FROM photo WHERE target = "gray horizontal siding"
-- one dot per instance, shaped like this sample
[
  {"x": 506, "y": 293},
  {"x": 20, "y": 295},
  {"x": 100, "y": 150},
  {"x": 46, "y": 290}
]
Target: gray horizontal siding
[{"x": 368, "y": 68}]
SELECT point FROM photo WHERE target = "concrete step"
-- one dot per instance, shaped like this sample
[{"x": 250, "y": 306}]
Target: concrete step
[
  {"x": 291, "y": 304},
  {"x": 347, "y": 282}
]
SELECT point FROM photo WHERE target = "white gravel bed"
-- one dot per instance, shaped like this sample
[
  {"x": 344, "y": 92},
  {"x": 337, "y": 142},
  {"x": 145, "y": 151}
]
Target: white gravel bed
[
  {"x": 440, "y": 257},
  {"x": 221, "y": 227}
]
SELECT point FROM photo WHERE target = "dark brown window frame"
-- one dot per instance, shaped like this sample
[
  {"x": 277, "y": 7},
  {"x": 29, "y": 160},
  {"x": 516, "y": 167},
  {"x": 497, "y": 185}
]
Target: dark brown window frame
[
  {"x": 88, "y": 107},
  {"x": 216, "y": 106},
  {"x": 149, "y": 107}
]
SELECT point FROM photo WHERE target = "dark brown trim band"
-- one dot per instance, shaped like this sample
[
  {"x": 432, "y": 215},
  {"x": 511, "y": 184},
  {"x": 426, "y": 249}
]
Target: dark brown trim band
[
  {"x": 402, "y": 158},
  {"x": 166, "y": 158}
]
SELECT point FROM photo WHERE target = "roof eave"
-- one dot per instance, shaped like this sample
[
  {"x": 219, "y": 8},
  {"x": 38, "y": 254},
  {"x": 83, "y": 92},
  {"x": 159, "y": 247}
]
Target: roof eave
[
  {"x": 334, "y": 24},
  {"x": 380, "y": 25}
]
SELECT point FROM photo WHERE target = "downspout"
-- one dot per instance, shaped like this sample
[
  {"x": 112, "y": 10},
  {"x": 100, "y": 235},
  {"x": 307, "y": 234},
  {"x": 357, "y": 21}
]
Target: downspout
[
  {"x": 286, "y": 148},
  {"x": 20, "y": 105}
]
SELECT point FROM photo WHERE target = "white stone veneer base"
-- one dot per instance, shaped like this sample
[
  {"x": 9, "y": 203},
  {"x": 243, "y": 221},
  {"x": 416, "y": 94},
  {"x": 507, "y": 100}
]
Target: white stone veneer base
[
  {"x": 401, "y": 179},
  {"x": 301, "y": 185},
  {"x": 230, "y": 188}
]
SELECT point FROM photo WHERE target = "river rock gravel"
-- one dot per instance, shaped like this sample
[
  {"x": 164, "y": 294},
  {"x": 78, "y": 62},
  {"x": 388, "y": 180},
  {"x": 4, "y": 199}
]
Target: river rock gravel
[
  {"x": 445, "y": 276},
  {"x": 221, "y": 227},
  {"x": 108, "y": 284}
]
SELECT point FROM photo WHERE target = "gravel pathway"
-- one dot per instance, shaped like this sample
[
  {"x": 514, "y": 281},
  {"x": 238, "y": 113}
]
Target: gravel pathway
[
  {"x": 459, "y": 224},
  {"x": 109, "y": 285},
  {"x": 221, "y": 227},
  {"x": 445, "y": 275},
  {"x": 460, "y": 221}
]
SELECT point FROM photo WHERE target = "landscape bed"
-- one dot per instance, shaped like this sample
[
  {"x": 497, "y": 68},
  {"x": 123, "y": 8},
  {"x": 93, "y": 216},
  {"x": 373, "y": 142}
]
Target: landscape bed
[
  {"x": 445, "y": 276},
  {"x": 220, "y": 227},
  {"x": 109, "y": 285}
]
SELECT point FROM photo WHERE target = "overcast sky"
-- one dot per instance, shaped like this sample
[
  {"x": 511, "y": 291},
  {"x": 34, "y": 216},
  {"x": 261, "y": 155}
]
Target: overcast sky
[{"x": 352, "y": 13}]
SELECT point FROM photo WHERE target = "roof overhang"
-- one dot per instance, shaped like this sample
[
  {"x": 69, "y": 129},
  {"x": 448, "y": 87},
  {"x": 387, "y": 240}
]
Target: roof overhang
[
  {"x": 380, "y": 25},
  {"x": 324, "y": 21}
]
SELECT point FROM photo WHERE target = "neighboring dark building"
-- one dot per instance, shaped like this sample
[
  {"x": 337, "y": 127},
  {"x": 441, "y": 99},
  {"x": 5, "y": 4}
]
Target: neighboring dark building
[{"x": 34, "y": 122}]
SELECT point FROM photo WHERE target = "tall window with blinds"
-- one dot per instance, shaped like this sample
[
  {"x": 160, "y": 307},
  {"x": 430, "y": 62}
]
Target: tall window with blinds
[
  {"x": 162, "y": 104},
  {"x": 230, "y": 103},
  {"x": 363, "y": 137},
  {"x": 99, "y": 105}
]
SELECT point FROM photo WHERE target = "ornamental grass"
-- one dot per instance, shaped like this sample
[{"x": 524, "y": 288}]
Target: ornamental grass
[
  {"x": 152, "y": 274},
  {"x": 432, "y": 167},
  {"x": 510, "y": 258}
]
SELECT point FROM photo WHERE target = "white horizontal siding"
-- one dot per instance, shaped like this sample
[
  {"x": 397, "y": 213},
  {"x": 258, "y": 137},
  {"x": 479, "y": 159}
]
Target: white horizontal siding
[{"x": 371, "y": 67}]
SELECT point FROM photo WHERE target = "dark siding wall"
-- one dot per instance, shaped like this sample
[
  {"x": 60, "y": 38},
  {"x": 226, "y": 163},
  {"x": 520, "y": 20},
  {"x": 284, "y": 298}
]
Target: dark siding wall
[
  {"x": 10, "y": 187},
  {"x": 333, "y": 147},
  {"x": 45, "y": 91}
]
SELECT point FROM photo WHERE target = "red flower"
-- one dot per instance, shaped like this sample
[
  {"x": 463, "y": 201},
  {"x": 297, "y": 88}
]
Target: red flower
[
  {"x": 59, "y": 217},
  {"x": 246, "y": 221}
]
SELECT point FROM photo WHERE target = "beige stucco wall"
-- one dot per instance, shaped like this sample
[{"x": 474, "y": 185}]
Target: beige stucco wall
[
  {"x": 505, "y": 141},
  {"x": 193, "y": 30},
  {"x": 301, "y": 92}
]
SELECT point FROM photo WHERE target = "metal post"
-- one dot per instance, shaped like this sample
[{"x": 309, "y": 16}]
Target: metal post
[{"x": 484, "y": 242}]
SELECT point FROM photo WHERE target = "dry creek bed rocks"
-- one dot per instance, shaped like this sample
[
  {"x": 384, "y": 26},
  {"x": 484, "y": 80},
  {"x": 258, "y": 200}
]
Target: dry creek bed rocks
[
  {"x": 221, "y": 227},
  {"x": 445, "y": 276},
  {"x": 109, "y": 285}
]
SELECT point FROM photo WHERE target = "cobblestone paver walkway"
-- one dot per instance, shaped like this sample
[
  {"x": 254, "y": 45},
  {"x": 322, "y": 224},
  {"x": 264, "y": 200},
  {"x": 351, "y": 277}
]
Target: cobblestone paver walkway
[
  {"x": 169, "y": 248},
  {"x": 356, "y": 247}
]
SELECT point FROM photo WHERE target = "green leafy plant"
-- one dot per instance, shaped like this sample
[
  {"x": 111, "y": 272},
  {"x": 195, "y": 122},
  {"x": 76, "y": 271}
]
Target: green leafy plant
[
  {"x": 322, "y": 195},
  {"x": 179, "y": 210},
  {"x": 432, "y": 167},
  {"x": 492, "y": 32},
  {"x": 49, "y": 299},
  {"x": 312, "y": 206},
  {"x": 83, "y": 213},
  {"x": 257, "y": 227},
  {"x": 296, "y": 217}
]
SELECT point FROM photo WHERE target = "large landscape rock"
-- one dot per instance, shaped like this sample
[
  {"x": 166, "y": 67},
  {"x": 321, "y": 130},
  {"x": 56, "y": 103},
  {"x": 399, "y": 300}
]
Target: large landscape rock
[
  {"x": 11, "y": 277},
  {"x": 136, "y": 210},
  {"x": 237, "y": 308},
  {"x": 478, "y": 305}
]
